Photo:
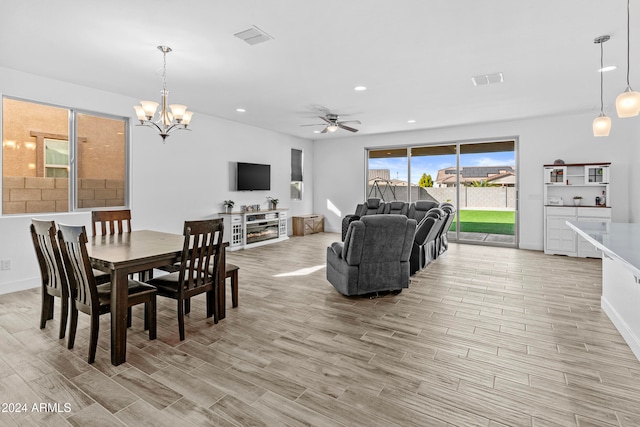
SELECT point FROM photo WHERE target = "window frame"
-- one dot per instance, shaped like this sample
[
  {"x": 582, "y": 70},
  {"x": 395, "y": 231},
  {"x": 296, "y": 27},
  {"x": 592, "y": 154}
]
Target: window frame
[{"x": 74, "y": 141}]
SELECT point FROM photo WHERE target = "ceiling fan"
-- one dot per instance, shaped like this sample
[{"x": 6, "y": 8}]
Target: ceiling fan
[{"x": 333, "y": 122}]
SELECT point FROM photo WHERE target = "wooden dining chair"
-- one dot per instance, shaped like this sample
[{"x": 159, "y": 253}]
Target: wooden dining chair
[
  {"x": 201, "y": 251},
  {"x": 54, "y": 279},
  {"x": 93, "y": 299},
  {"x": 111, "y": 222}
]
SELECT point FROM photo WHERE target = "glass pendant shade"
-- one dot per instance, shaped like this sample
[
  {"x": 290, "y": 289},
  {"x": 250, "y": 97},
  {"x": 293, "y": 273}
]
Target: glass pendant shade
[
  {"x": 332, "y": 128},
  {"x": 186, "y": 118},
  {"x": 178, "y": 110},
  {"x": 628, "y": 103},
  {"x": 140, "y": 113},
  {"x": 601, "y": 125},
  {"x": 149, "y": 107}
]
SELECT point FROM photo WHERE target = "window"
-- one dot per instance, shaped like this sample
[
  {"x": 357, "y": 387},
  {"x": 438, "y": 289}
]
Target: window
[
  {"x": 296, "y": 174},
  {"x": 56, "y": 158},
  {"x": 39, "y": 143}
]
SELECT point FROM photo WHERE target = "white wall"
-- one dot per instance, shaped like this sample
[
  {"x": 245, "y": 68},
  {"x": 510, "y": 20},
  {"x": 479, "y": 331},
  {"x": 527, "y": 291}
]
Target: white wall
[
  {"x": 340, "y": 164},
  {"x": 186, "y": 178}
]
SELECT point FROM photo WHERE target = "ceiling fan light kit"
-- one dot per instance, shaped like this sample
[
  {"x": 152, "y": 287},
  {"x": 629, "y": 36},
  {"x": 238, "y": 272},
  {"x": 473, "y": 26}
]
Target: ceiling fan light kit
[{"x": 332, "y": 123}]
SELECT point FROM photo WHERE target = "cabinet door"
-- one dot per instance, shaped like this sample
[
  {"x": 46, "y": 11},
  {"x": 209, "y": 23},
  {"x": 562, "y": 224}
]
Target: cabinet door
[
  {"x": 559, "y": 237},
  {"x": 596, "y": 175},
  {"x": 318, "y": 224},
  {"x": 555, "y": 175}
]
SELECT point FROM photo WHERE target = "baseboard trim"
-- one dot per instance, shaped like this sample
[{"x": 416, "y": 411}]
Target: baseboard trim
[{"x": 631, "y": 339}]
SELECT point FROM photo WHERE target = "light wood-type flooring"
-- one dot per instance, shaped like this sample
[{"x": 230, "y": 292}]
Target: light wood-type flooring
[{"x": 483, "y": 337}]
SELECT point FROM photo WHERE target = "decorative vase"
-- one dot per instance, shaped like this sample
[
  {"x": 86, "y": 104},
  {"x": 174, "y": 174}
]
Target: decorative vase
[
  {"x": 576, "y": 202},
  {"x": 228, "y": 209},
  {"x": 274, "y": 206}
]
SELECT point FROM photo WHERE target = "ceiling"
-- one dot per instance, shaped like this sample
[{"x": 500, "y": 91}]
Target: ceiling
[{"x": 416, "y": 57}]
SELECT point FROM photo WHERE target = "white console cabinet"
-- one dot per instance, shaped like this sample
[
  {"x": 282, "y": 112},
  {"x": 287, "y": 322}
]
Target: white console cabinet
[
  {"x": 562, "y": 183},
  {"x": 250, "y": 229}
]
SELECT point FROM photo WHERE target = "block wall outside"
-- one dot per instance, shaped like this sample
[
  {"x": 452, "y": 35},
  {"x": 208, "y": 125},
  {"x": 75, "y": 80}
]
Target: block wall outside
[
  {"x": 470, "y": 197},
  {"x": 22, "y": 195}
]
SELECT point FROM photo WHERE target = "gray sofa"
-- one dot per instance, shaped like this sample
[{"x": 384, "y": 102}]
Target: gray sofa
[{"x": 374, "y": 256}]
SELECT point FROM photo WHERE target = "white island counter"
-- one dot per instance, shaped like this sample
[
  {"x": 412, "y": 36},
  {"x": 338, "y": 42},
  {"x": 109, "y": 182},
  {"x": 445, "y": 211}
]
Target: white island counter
[{"x": 620, "y": 246}]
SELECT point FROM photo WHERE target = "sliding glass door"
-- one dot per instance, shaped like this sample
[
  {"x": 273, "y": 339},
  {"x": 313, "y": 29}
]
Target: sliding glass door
[
  {"x": 478, "y": 178},
  {"x": 487, "y": 193}
]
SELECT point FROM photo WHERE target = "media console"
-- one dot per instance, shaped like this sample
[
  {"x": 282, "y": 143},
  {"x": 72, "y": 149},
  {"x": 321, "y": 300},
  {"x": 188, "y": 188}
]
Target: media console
[{"x": 250, "y": 229}]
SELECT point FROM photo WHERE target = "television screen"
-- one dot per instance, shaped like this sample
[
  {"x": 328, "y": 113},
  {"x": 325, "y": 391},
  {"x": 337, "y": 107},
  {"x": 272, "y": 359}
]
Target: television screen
[{"x": 253, "y": 176}]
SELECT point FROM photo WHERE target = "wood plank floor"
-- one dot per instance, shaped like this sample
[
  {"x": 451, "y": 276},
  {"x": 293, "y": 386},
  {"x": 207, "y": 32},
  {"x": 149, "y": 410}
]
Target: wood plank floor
[{"x": 483, "y": 337}]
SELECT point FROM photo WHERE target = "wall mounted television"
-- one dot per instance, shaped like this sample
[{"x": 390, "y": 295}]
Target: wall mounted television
[{"x": 253, "y": 176}]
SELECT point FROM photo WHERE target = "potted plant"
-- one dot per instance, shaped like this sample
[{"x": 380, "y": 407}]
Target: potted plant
[
  {"x": 228, "y": 205},
  {"x": 577, "y": 200},
  {"x": 273, "y": 202}
]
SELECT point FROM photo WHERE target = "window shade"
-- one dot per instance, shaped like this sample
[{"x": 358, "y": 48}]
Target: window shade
[{"x": 296, "y": 165}]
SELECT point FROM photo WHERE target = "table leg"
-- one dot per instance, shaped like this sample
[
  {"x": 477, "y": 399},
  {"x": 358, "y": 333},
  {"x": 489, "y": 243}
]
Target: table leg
[{"x": 119, "y": 296}]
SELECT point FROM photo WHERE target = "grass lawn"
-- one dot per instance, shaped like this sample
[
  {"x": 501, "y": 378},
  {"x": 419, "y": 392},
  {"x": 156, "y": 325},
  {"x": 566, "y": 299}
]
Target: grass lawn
[{"x": 491, "y": 222}]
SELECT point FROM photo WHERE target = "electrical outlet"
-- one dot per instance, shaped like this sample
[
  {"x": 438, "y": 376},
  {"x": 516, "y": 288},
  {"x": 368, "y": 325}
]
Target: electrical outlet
[{"x": 5, "y": 264}]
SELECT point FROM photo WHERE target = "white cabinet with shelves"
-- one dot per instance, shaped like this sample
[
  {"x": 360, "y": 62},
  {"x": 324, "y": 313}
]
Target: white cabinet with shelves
[
  {"x": 562, "y": 183},
  {"x": 250, "y": 229}
]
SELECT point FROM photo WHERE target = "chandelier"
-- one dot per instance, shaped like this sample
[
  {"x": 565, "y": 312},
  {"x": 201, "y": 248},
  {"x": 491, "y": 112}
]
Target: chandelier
[{"x": 166, "y": 121}]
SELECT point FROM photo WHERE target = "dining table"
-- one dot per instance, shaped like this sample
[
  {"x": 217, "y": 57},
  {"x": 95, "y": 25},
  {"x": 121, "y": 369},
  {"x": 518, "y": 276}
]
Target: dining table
[{"x": 137, "y": 251}]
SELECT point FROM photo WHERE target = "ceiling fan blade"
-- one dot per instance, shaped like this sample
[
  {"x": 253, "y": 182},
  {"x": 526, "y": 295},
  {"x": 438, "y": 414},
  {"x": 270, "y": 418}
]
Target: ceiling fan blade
[
  {"x": 358, "y": 122},
  {"x": 325, "y": 119},
  {"x": 325, "y": 130},
  {"x": 341, "y": 126}
]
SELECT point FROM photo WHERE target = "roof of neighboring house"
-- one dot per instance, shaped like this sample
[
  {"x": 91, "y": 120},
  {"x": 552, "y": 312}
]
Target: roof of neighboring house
[{"x": 474, "y": 173}]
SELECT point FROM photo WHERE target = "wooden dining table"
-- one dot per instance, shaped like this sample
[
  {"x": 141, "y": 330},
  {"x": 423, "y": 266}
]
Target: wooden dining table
[{"x": 134, "y": 252}]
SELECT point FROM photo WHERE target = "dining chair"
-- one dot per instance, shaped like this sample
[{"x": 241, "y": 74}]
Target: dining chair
[
  {"x": 93, "y": 299},
  {"x": 54, "y": 279},
  {"x": 115, "y": 222},
  {"x": 111, "y": 222},
  {"x": 200, "y": 253}
]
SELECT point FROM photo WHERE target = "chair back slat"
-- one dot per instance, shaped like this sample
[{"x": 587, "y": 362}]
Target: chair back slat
[
  {"x": 202, "y": 243},
  {"x": 43, "y": 234},
  {"x": 73, "y": 245},
  {"x": 111, "y": 222}
]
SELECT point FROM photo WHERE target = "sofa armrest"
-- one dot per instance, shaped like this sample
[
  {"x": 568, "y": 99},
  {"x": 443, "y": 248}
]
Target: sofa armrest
[{"x": 337, "y": 248}]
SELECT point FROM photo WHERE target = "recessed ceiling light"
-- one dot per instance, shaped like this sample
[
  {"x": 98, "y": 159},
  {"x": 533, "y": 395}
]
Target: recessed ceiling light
[
  {"x": 607, "y": 68},
  {"x": 241, "y": 110},
  {"x": 411, "y": 121},
  {"x": 316, "y": 131},
  {"x": 360, "y": 88}
]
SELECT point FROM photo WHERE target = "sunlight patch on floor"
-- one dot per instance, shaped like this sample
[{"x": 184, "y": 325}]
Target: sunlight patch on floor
[{"x": 301, "y": 272}]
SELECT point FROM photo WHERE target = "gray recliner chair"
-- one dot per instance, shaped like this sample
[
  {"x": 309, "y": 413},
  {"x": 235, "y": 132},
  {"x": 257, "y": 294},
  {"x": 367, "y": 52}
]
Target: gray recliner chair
[
  {"x": 450, "y": 210},
  {"x": 370, "y": 207},
  {"x": 374, "y": 256}
]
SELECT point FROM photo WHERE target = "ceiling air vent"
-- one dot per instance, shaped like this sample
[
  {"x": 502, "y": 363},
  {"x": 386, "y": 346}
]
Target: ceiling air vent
[
  {"x": 485, "y": 79},
  {"x": 253, "y": 35}
]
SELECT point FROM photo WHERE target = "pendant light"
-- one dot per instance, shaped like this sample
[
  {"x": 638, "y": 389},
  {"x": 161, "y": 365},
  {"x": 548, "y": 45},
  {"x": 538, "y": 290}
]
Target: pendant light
[
  {"x": 628, "y": 102},
  {"x": 602, "y": 123},
  {"x": 167, "y": 121}
]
